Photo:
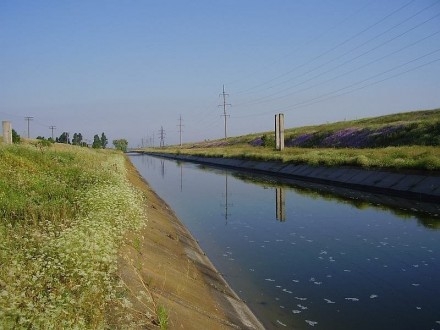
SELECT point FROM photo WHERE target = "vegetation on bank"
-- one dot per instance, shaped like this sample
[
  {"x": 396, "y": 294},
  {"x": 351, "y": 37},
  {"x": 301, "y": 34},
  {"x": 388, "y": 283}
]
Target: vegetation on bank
[
  {"x": 63, "y": 213},
  {"x": 401, "y": 141},
  {"x": 420, "y": 158}
]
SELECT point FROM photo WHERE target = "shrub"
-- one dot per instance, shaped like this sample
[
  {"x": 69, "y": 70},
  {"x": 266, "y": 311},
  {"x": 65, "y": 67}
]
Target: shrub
[
  {"x": 268, "y": 141},
  {"x": 15, "y": 137}
]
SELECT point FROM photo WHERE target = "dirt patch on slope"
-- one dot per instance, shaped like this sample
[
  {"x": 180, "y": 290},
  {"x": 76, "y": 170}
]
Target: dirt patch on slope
[{"x": 163, "y": 268}]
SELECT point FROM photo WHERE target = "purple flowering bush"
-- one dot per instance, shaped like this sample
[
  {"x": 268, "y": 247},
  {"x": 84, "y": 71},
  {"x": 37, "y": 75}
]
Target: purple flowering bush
[
  {"x": 258, "y": 142},
  {"x": 357, "y": 137},
  {"x": 347, "y": 138},
  {"x": 299, "y": 141}
]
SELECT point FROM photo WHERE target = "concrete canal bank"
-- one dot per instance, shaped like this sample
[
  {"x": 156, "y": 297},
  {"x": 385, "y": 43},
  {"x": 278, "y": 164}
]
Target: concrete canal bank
[
  {"x": 167, "y": 261},
  {"x": 419, "y": 186}
]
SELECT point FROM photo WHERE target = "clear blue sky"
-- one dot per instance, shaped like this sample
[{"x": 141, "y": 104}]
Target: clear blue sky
[{"x": 128, "y": 68}]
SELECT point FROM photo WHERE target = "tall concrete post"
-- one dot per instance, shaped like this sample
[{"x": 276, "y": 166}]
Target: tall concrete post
[
  {"x": 281, "y": 125},
  {"x": 279, "y": 131},
  {"x": 7, "y": 132}
]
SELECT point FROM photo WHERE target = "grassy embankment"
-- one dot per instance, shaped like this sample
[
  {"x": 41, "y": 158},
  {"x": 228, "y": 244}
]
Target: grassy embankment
[
  {"x": 408, "y": 140},
  {"x": 63, "y": 214}
]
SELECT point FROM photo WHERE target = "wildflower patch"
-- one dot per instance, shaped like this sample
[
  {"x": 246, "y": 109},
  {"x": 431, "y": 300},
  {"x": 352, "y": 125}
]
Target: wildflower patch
[{"x": 63, "y": 215}]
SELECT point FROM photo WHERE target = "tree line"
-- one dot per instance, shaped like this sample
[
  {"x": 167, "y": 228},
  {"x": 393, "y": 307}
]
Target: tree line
[{"x": 99, "y": 142}]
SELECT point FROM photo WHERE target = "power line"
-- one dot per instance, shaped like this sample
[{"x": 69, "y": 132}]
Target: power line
[
  {"x": 263, "y": 100},
  {"x": 334, "y": 47},
  {"x": 223, "y": 94},
  {"x": 162, "y": 137},
  {"x": 52, "y": 128},
  {"x": 334, "y": 94},
  {"x": 180, "y": 129},
  {"x": 266, "y": 98},
  {"x": 28, "y": 119},
  {"x": 304, "y": 104},
  {"x": 305, "y": 44},
  {"x": 10, "y": 115}
]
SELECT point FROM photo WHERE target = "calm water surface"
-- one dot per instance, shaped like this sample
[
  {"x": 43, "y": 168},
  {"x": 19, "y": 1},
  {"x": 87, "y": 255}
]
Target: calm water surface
[{"x": 302, "y": 259}]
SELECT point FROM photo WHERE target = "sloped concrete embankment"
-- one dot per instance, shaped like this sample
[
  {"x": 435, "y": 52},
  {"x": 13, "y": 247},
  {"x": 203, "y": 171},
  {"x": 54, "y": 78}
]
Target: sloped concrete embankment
[
  {"x": 420, "y": 186},
  {"x": 165, "y": 260}
]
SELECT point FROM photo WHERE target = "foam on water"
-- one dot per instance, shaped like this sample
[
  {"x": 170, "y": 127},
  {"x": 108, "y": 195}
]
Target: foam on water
[{"x": 311, "y": 323}]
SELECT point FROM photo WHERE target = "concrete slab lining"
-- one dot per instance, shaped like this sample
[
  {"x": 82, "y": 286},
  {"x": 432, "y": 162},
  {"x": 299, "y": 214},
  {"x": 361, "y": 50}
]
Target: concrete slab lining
[
  {"x": 375, "y": 178},
  {"x": 409, "y": 181},
  {"x": 428, "y": 185},
  {"x": 355, "y": 176}
]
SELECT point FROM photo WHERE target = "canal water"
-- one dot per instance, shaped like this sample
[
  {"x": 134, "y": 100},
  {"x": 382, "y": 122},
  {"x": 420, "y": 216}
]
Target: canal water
[{"x": 302, "y": 257}]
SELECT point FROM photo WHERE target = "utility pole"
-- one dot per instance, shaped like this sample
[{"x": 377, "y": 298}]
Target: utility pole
[
  {"x": 223, "y": 94},
  {"x": 52, "y": 128},
  {"x": 162, "y": 137},
  {"x": 28, "y": 120},
  {"x": 180, "y": 129}
]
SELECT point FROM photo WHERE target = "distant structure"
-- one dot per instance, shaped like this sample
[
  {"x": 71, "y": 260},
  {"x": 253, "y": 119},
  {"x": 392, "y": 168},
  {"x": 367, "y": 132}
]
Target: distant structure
[
  {"x": 162, "y": 137},
  {"x": 224, "y": 105},
  {"x": 279, "y": 131},
  {"x": 52, "y": 128},
  {"x": 7, "y": 132},
  {"x": 180, "y": 129},
  {"x": 28, "y": 119}
]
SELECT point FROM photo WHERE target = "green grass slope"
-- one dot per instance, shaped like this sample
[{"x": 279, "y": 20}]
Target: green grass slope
[
  {"x": 401, "y": 129},
  {"x": 409, "y": 140}
]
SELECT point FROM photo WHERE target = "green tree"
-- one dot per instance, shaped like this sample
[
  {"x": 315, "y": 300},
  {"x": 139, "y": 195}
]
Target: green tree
[
  {"x": 15, "y": 137},
  {"x": 96, "y": 142},
  {"x": 121, "y": 144},
  {"x": 104, "y": 140},
  {"x": 64, "y": 138},
  {"x": 77, "y": 139}
]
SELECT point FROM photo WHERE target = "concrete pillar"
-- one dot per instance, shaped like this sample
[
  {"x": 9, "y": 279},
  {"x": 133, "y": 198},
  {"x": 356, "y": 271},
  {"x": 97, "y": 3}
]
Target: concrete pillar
[
  {"x": 7, "y": 132},
  {"x": 279, "y": 131},
  {"x": 281, "y": 125}
]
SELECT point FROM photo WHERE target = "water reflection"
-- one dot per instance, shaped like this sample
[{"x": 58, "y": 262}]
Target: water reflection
[
  {"x": 304, "y": 255},
  {"x": 427, "y": 214},
  {"x": 162, "y": 168},
  {"x": 280, "y": 204}
]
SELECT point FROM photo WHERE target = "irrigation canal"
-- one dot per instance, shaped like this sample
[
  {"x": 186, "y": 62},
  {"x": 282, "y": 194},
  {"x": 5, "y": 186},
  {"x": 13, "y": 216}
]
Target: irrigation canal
[{"x": 308, "y": 256}]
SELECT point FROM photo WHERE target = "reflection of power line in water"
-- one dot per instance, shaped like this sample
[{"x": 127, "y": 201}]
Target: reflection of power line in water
[
  {"x": 181, "y": 177},
  {"x": 162, "y": 168},
  {"x": 226, "y": 204}
]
